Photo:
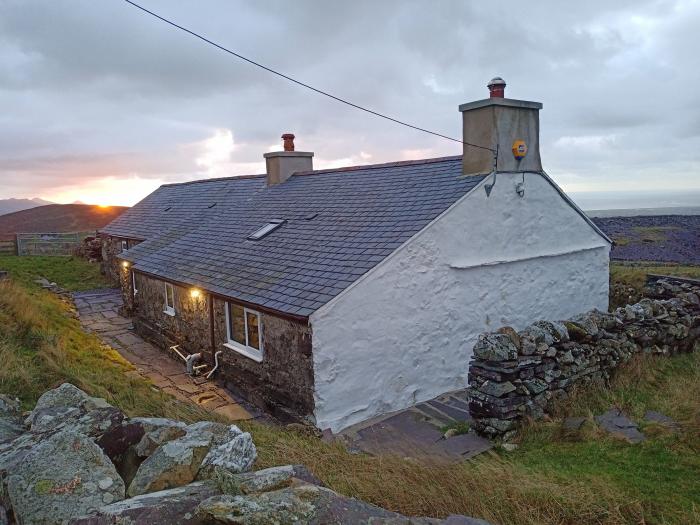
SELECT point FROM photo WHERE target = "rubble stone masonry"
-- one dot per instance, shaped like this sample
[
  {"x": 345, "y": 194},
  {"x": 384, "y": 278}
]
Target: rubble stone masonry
[
  {"x": 517, "y": 374},
  {"x": 111, "y": 247},
  {"x": 282, "y": 384}
]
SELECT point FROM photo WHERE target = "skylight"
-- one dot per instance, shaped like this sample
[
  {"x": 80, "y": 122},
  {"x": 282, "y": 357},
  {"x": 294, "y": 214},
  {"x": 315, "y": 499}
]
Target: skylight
[{"x": 265, "y": 230}]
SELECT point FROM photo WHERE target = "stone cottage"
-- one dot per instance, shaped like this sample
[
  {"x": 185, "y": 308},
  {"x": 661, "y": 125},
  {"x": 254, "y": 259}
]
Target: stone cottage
[{"x": 337, "y": 295}]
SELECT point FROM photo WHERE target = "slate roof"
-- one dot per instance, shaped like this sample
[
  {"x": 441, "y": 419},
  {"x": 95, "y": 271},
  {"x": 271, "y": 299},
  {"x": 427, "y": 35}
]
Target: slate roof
[{"x": 339, "y": 224}]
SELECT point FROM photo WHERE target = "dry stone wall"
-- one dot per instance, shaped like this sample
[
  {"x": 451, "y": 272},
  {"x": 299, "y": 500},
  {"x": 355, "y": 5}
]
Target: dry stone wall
[{"x": 517, "y": 374}]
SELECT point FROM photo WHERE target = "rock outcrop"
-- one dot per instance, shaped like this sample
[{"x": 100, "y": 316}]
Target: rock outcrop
[{"x": 71, "y": 459}]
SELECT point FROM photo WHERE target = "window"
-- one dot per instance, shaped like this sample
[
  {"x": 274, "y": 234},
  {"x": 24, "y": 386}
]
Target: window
[
  {"x": 133, "y": 282},
  {"x": 169, "y": 299},
  {"x": 268, "y": 228},
  {"x": 243, "y": 331},
  {"x": 125, "y": 246}
]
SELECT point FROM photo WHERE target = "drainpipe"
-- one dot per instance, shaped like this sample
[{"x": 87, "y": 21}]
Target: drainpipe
[
  {"x": 216, "y": 363},
  {"x": 211, "y": 326}
]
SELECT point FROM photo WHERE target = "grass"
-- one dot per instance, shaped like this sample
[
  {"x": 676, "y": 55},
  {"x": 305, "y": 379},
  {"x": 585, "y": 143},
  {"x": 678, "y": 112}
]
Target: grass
[
  {"x": 635, "y": 275},
  {"x": 646, "y": 234},
  {"x": 72, "y": 273},
  {"x": 552, "y": 478}
]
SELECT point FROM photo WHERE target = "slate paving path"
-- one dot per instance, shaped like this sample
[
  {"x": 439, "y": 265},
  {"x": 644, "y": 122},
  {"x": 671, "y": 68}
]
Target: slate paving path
[
  {"x": 98, "y": 313},
  {"x": 416, "y": 432}
]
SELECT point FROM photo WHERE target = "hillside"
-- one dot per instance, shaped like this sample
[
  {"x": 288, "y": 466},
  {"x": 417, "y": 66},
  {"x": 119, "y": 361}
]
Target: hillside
[
  {"x": 59, "y": 218},
  {"x": 13, "y": 205},
  {"x": 554, "y": 476}
]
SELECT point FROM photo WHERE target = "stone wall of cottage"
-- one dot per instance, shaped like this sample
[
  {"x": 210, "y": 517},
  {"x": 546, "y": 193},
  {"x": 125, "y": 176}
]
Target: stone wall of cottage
[
  {"x": 281, "y": 384},
  {"x": 111, "y": 247},
  {"x": 517, "y": 374}
]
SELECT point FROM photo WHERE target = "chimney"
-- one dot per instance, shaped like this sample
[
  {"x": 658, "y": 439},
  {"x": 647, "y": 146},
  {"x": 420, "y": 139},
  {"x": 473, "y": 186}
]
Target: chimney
[
  {"x": 509, "y": 125},
  {"x": 283, "y": 164}
]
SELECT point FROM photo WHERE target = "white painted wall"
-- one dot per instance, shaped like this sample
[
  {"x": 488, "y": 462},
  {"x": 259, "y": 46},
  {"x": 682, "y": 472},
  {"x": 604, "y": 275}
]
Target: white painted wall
[{"x": 404, "y": 332}]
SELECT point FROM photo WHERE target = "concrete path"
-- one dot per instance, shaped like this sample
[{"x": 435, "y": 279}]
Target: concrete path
[
  {"x": 98, "y": 313},
  {"x": 417, "y": 432}
]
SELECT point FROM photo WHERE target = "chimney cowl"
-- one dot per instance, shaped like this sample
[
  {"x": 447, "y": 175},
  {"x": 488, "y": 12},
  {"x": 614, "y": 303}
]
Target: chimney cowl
[
  {"x": 288, "y": 139},
  {"x": 497, "y": 87}
]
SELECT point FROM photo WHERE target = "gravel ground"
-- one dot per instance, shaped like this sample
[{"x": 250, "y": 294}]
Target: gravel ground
[{"x": 664, "y": 238}]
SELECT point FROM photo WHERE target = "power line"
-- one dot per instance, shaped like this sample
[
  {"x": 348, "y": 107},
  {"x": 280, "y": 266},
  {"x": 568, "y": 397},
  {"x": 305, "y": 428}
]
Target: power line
[{"x": 298, "y": 82}]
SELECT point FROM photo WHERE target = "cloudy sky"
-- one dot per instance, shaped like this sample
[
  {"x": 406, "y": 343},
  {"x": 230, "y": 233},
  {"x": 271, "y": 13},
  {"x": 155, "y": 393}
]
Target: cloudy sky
[{"x": 102, "y": 103}]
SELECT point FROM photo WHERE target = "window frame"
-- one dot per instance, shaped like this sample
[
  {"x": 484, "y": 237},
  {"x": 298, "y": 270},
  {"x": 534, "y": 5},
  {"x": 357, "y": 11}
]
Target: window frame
[
  {"x": 168, "y": 309},
  {"x": 248, "y": 351},
  {"x": 124, "y": 245}
]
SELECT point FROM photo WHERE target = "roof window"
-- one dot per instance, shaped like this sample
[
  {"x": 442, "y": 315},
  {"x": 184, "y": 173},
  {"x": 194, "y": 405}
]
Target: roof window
[{"x": 265, "y": 230}]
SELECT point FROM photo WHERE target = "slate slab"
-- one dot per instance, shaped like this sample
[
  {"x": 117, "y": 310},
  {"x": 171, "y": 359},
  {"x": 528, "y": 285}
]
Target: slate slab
[
  {"x": 174, "y": 506},
  {"x": 662, "y": 419},
  {"x": 618, "y": 424}
]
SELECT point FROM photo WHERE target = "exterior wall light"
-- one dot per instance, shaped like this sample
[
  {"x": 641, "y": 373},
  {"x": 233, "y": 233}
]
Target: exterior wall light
[
  {"x": 125, "y": 264},
  {"x": 195, "y": 293}
]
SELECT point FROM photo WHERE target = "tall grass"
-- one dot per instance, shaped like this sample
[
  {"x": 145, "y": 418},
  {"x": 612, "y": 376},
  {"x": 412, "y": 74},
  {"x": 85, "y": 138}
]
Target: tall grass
[{"x": 42, "y": 346}]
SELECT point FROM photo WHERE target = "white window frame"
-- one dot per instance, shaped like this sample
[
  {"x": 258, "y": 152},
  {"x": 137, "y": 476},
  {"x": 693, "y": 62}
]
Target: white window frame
[
  {"x": 248, "y": 351},
  {"x": 169, "y": 309},
  {"x": 125, "y": 245},
  {"x": 133, "y": 283}
]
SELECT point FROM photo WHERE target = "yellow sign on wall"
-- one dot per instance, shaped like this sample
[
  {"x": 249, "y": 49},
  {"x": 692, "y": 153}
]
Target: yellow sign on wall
[{"x": 519, "y": 149}]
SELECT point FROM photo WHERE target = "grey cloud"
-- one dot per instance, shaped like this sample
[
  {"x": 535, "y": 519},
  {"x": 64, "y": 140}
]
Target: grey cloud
[{"x": 89, "y": 88}]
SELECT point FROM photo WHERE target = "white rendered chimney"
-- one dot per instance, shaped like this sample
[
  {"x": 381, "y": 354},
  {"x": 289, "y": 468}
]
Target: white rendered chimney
[{"x": 282, "y": 164}]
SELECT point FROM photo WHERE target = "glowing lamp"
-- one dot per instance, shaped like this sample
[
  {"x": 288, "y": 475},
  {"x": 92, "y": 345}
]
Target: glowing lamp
[
  {"x": 125, "y": 264},
  {"x": 194, "y": 293}
]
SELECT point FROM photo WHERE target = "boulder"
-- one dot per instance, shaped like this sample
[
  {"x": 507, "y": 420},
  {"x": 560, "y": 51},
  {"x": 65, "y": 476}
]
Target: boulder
[
  {"x": 66, "y": 395},
  {"x": 157, "y": 430},
  {"x": 47, "y": 419},
  {"x": 233, "y": 451},
  {"x": 9, "y": 406},
  {"x": 273, "y": 478},
  {"x": 10, "y": 418},
  {"x": 12, "y": 453},
  {"x": 308, "y": 504},
  {"x": 167, "y": 507},
  {"x": 173, "y": 464},
  {"x": 64, "y": 475}
]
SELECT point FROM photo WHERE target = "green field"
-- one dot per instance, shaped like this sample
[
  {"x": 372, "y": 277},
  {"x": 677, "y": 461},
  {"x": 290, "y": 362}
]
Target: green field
[{"x": 551, "y": 478}]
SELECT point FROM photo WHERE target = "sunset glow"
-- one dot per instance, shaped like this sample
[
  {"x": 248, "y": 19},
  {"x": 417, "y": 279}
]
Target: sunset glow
[{"x": 106, "y": 192}]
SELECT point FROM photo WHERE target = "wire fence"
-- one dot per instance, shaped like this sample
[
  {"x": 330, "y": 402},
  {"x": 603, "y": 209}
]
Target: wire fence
[
  {"x": 49, "y": 243},
  {"x": 8, "y": 245}
]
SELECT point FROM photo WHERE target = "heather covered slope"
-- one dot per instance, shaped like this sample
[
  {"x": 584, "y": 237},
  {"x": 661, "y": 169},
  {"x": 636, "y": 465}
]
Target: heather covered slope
[
  {"x": 661, "y": 238},
  {"x": 59, "y": 218}
]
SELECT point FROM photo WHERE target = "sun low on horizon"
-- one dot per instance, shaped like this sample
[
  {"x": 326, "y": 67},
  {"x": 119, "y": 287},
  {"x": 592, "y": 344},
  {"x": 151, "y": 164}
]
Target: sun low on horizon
[{"x": 106, "y": 192}]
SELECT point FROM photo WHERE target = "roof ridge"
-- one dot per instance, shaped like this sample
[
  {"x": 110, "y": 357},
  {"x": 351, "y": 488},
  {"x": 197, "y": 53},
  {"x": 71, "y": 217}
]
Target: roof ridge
[
  {"x": 214, "y": 179},
  {"x": 327, "y": 170},
  {"x": 381, "y": 165}
]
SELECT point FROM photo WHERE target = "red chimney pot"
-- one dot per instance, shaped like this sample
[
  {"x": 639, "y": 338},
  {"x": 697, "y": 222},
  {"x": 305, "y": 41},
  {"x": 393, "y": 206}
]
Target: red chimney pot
[
  {"x": 497, "y": 87},
  {"x": 288, "y": 139}
]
